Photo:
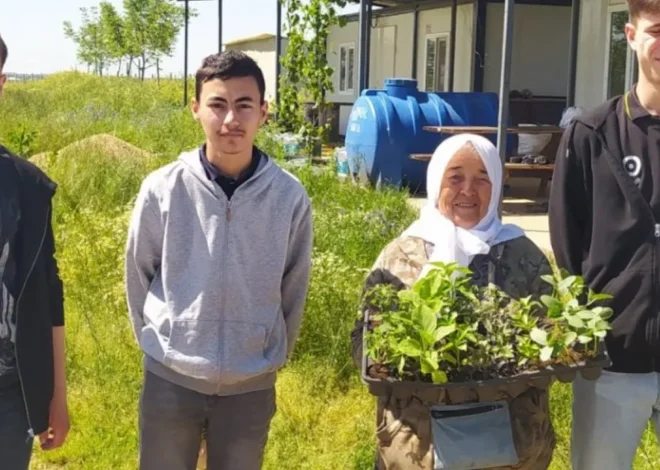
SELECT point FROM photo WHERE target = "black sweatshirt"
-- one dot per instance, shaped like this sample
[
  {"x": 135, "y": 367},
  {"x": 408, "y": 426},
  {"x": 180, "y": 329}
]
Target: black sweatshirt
[
  {"x": 605, "y": 222},
  {"x": 40, "y": 301}
]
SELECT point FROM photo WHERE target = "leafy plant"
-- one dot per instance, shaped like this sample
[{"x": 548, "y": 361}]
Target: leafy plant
[
  {"x": 446, "y": 329},
  {"x": 22, "y": 140},
  {"x": 571, "y": 320},
  {"x": 426, "y": 318},
  {"x": 307, "y": 75}
]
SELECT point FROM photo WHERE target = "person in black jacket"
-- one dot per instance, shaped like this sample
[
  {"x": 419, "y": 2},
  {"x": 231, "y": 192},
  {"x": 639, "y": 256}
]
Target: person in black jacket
[
  {"x": 605, "y": 226},
  {"x": 32, "y": 376}
]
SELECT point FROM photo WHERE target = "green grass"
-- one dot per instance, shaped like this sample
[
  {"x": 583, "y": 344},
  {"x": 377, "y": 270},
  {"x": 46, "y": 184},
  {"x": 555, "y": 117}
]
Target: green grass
[
  {"x": 50, "y": 114},
  {"x": 325, "y": 417}
]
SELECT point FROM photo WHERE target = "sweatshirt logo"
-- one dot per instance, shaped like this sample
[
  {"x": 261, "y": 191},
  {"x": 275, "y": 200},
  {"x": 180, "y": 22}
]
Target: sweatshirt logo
[
  {"x": 7, "y": 318},
  {"x": 633, "y": 166}
]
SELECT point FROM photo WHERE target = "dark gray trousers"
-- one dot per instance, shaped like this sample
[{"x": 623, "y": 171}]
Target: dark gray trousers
[
  {"x": 172, "y": 419},
  {"x": 15, "y": 443}
]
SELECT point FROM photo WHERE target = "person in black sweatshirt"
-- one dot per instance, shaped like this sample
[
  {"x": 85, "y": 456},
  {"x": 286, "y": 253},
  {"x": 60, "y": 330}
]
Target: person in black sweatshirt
[
  {"x": 32, "y": 370},
  {"x": 605, "y": 226}
]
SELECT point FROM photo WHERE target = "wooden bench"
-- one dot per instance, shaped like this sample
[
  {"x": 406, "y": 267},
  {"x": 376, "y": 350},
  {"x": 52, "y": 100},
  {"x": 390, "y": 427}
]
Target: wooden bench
[
  {"x": 489, "y": 130},
  {"x": 512, "y": 170},
  {"x": 422, "y": 157},
  {"x": 544, "y": 172}
]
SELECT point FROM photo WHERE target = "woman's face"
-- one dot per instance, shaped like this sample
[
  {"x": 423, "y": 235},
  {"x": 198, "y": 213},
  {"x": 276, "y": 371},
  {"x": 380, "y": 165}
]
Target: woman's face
[{"x": 465, "y": 190}]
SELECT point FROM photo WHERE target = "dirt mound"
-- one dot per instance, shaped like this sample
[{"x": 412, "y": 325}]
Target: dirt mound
[{"x": 100, "y": 145}]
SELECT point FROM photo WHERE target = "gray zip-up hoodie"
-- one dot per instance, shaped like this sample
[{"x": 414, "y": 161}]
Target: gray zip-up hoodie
[{"x": 216, "y": 288}]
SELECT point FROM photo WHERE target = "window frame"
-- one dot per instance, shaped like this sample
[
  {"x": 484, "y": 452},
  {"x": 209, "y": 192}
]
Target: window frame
[
  {"x": 347, "y": 91},
  {"x": 630, "y": 56},
  {"x": 436, "y": 36}
]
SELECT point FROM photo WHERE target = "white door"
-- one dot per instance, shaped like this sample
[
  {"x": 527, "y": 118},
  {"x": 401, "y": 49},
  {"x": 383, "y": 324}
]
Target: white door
[{"x": 383, "y": 53}]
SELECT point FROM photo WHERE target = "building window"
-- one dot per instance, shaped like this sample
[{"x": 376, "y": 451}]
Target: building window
[
  {"x": 346, "y": 66},
  {"x": 436, "y": 62},
  {"x": 619, "y": 72}
]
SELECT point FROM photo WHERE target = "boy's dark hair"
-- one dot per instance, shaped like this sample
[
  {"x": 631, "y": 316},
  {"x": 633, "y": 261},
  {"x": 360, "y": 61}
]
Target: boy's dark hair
[
  {"x": 3, "y": 53},
  {"x": 638, "y": 7},
  {"x": 226, "y": 65}
]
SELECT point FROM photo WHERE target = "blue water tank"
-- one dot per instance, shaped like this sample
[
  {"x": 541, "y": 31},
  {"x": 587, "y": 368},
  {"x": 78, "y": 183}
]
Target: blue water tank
[{"x": 386, "y": 126}]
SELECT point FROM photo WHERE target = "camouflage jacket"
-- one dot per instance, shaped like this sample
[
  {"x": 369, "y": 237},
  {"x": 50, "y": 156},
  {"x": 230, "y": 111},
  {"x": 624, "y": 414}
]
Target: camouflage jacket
[{"x": 515, "y": 267}]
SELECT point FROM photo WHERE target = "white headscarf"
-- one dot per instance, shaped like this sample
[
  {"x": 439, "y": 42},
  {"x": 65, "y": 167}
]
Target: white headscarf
[{"x": 453, "y": 244}]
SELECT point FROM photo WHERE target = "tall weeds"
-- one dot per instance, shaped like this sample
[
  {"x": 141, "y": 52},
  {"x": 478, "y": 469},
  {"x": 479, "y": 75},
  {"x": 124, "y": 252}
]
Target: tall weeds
[{"x": 325, "y": 417}]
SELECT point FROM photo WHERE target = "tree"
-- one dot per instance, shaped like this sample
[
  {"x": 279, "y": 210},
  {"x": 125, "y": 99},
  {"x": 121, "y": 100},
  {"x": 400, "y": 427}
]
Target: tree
[
  {"x": 307, "y": 72},
  {"x": 142, "y": 36},
  {"x": 321, "y": 15},
  {"x": 152, "y": 27},
  {"x": 92, "y": 44},
  {"x": 289, "y": 112},
  {"x": 112, "y": 28},
  {"x": 168, "y": 21}
]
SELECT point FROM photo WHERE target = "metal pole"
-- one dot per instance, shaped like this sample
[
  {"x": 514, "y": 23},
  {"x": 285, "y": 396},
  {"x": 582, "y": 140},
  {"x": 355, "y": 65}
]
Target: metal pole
[
  {"x": 505, "y": 78},
  {"x": 363, "y": 52},
  {"x": 278, "y": 52},
  {"x": 185, "y": 56},
  {"x": 415, "y": 42},
  {"x": 219, "y": 25},
  {"x": 452, "y": 45},
  {"x": 480, "y": 45},
  {"x": 573, "y": 52},
  {"x": 368, "y": 43}
]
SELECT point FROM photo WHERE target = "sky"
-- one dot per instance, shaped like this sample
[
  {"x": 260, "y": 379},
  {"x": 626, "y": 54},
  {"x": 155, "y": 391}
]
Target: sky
[{"x": 34, "y": 33}]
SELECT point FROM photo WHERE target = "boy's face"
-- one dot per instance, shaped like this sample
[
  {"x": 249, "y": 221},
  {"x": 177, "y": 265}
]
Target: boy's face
[
  {"x": 643, "y": 35},
  {"x": 231, "y": 113}
]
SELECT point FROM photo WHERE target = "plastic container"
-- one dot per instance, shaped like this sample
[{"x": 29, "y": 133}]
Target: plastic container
[
  {"x": 480, "y": 390},
  {"x": 341, "y": 163},
  {"x": 291, "y": 144},
  {"x": 386, "y": 126}
]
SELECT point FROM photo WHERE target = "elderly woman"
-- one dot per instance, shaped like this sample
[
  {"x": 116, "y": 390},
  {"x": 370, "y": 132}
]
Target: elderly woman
[{"x": 460, "y": 223}]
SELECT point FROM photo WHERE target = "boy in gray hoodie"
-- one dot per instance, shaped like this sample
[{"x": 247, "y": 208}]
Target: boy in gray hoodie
[{"x": 217, "y": 272}]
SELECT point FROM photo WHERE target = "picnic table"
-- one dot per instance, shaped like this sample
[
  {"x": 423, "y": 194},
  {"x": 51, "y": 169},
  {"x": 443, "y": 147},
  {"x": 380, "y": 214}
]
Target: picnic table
[
  {"x": 493, "y": 130},
  {"x": 530, "y": 170}
]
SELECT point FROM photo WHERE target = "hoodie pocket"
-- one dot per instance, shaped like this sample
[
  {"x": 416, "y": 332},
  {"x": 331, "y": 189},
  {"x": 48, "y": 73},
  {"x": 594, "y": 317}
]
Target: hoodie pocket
[
  {"x": 218, "y": 351},
  {"x": 243, "y": 352},
  {"x": 194, "y": 349}
]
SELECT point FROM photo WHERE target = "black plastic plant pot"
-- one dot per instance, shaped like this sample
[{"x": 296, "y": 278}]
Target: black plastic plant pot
[{"x": 481, "y": 390}]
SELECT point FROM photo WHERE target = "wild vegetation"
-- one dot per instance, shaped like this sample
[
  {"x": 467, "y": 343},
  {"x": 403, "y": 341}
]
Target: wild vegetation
[{"x": 325, "y": 418}]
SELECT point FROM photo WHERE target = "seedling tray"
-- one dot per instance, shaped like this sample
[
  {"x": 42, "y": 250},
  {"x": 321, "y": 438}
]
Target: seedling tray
[{"x": 481, "y": 390}]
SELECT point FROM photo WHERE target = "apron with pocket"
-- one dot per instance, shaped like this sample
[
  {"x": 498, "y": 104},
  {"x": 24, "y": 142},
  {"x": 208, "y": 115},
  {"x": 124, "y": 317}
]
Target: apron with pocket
[{"x": 472, "y": 436}]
